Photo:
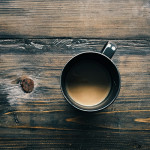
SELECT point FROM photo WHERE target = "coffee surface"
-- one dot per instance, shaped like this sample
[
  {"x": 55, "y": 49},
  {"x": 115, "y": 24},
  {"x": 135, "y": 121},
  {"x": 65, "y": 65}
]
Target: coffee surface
[{"x": 88, "y": 82}]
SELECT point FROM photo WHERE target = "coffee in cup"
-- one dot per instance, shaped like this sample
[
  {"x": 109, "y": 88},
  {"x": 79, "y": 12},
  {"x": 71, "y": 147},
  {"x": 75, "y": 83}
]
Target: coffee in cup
[{"x": 88, "y": 82}]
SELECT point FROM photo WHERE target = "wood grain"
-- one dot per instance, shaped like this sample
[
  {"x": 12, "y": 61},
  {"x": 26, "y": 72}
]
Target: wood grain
[
  {"x": 43, "y": 119},
  {"x": 113, "y": 19}
]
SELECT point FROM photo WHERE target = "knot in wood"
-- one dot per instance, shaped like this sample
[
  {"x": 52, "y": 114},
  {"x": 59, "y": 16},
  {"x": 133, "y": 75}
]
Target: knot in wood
[{"x": 27, "y": 85}]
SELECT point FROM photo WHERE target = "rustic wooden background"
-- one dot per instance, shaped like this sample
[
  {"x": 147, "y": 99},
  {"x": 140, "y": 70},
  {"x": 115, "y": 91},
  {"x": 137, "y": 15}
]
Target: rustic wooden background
[{"x": 37, "y": 38}]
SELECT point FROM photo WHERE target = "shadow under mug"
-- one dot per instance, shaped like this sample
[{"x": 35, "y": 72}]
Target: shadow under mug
[{"x": 103, "y": 58}]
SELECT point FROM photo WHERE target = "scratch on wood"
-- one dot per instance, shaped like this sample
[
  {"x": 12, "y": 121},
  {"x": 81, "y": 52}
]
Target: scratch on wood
[
  {"x": 8, "y": 113},
  {"x": 38, "y": 46},
  {"x": 145, "y": 120},
  {"x": 38, "y": 127}
]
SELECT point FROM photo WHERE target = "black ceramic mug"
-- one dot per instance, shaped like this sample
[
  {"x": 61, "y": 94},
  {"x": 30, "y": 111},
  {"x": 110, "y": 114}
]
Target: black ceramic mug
[{"x": 87, "y": 66}]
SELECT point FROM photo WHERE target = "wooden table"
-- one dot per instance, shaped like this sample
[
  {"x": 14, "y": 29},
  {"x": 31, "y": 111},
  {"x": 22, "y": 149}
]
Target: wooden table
[{"x": 37, "y": 38}]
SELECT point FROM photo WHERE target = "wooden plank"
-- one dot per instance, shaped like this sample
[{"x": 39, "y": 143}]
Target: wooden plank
[
  {"x": 113, "y": 19},
  {"x": 43, "y": 119}
]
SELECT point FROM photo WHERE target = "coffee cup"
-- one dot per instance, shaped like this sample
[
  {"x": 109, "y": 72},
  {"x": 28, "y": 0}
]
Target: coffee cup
[{"x": 90, "y": 81}]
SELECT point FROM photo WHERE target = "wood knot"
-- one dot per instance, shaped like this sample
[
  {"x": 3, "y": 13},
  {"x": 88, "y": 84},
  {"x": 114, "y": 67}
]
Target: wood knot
[{"x": 27, "y": 85}]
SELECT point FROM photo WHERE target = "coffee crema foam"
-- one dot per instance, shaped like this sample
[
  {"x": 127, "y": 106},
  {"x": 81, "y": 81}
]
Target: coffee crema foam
[{"x": 88, "y": 82}]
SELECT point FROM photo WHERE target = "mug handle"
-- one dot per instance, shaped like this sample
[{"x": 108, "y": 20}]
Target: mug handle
[{"x": 109, "y": 49}]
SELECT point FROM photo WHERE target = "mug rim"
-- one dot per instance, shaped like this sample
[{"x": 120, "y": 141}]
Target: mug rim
[{"x": 91, "y": 110}]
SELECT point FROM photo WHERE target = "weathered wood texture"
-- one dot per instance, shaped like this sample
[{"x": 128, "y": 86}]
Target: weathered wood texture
[
  {"x": 43, "y": 119},
  {"x": 75, "y": 18}
]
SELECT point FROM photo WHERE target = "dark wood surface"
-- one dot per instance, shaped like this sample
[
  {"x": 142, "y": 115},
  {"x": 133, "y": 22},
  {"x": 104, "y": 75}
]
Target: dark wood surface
[
  {"x": 43, "y": 119},
  {"x": 37, "y": 38},
  {"x": 75, "y": 18}
]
